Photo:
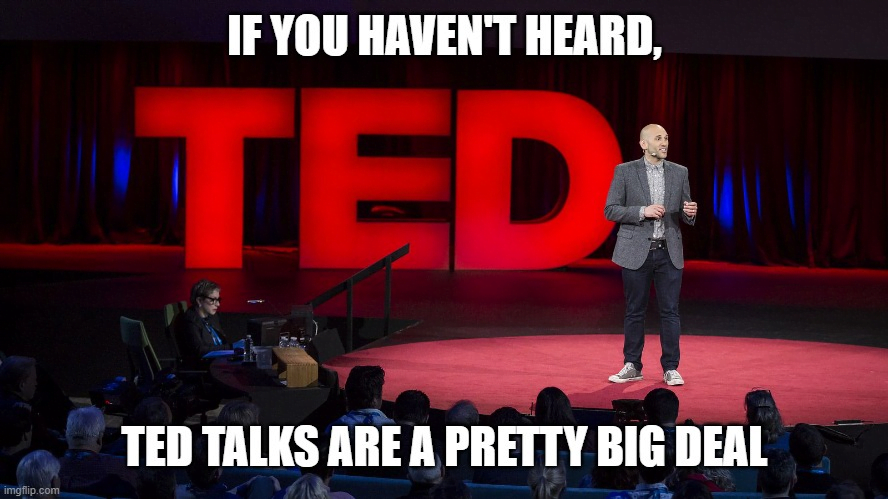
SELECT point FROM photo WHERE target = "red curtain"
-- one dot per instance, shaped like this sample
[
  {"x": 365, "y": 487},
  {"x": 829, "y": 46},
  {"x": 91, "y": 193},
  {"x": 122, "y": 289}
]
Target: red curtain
[{"x": 786, "y": 156}]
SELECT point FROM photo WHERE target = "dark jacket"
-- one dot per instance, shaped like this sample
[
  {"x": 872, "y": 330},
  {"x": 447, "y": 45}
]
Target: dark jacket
[{"x": 194, "y": 339}]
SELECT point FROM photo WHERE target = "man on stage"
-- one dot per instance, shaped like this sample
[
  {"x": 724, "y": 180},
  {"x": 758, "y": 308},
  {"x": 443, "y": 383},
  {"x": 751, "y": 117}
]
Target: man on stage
[{"x": 646, "y": 198}]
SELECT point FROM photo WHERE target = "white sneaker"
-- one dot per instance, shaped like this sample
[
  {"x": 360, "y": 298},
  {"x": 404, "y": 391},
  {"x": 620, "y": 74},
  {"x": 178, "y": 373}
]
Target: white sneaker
[
  {"x": 628, "y": 373},
  {"x": 672, "y": 378}
]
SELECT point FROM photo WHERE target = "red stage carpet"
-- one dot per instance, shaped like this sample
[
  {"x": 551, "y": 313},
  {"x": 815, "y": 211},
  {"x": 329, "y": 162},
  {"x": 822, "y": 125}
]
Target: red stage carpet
[{"x": 812, "y": 382}]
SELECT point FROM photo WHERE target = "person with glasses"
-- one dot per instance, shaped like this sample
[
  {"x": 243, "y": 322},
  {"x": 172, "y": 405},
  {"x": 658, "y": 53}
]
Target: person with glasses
[{"x": 197, "y": 330}]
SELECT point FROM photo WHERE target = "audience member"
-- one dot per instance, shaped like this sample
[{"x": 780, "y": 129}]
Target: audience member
[
  {"x": 761, "y": 410},
  {"x": 363, "y": 397},
  {"x": 321, "y": 470},
  {"x": 412, "y": 408},
  {"x": 462, "y": 413},
  {"x": 512, "y": 475},
  {"x": 15, "y": 440},
  {"x": 661, "y": 407},
  {"x": 197, "y": 331},
  {"x": 39, "y": 472},
  {"x": 308, "y": 487},
  {"x": 547, "y": 482},
  {"x": 239, "y": 413},
  {"x": 651, "y": 479},
  {"x": 206, "y": 480},
  {"x": 879, "y": 476},
  {"x": 808, "y": 448},
  {"x": 423, "y": 479},
  {"x": 845, "y": 490},
  {"x": 83, "y": 468},
  {"x": 451, "y": 488},
  {"x": 18, "y": 381},
  {"x": 151, "y": 411},
  {"x": 778, "y": 477},
  {"x": 611, "y": 477},
  {"x": 156, "y": 483},
  {"x": 692, "y": 489},
  {"x": 18, "y": 387}
]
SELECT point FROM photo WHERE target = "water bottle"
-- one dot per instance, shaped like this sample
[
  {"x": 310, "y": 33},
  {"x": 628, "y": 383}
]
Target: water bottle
[{"x": 248, "y": 349}]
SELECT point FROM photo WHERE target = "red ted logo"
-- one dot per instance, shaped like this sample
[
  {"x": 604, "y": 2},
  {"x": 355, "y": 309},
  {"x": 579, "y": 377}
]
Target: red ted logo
[{"x": 333, "y": 178}]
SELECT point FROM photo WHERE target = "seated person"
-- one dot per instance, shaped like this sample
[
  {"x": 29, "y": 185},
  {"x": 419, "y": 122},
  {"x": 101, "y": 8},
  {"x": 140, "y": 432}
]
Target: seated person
[
  {"x": 808, "y": 448},
  {"x": 503, "y": 475},
  {"x": 157, "y": 483},
  {"x": 15, "y": 440},
  {"x": 19, "y": 388},
  {"x": 423, "y": 479},
  {"x": 363, "y": 398},
  {"x": 151, "y": 411},
  {"x": 206, "y": 480},
  {"x": 778, "y": 477},
  {"x": 661, "y": 408},
  {"x": 651, "y": 480},
  {"x": 547, "y": 482},
  {"x": 83, "y": 469},
  {"x": 463, "y": 413},
  {"x": 197, "y": 331},
  {"x": 39, "y": 470},
  {"x": 307, "y": 487},
  {"x": 761, "y": 410}
]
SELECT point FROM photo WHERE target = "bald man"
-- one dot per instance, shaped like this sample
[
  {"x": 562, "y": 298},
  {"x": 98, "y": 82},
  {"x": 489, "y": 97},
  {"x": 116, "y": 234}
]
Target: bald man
[{"x": 647, "y": 197}]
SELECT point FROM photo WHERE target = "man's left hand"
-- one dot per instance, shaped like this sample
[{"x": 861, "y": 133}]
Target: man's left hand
[{"x": 690, "y": 209}]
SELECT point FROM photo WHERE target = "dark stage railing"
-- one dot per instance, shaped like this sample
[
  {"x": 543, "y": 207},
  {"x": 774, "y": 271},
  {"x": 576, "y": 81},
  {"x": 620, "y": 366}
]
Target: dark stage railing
[{"x": 349, "y": 284}]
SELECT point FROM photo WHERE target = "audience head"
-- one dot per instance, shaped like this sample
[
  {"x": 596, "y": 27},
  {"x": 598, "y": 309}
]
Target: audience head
[
  {"x": 15, "y": 429},
  {"x": 614, "y": 477},
  {"x": 661, "y": 407},
  {"x": 778, "y": 477},
  {"x": 152, "y": 411},
  {"x": 463, "y": 413},
  {"x": 18, "y": 376},
  {"x": 426, "y": 475},
  {"x": 450, "y": 488},
  {"x": 205, "y": 297},
  {"x": 507, "y": 416},
  {"x": 157, "y": 483},
  {"x": 658, "y": 474},
  {"x": 806, "y": 445},
  {"x": 239, "y": 413},
  {"x": 412, "y": 407},
  {"x": 363, "y": 388},
  {"x": 553, "y": 408},
  {"x": 85, "y": 429},
  {"x": 321, "y": 469},
  {"x": 879, "y": 475},
  {"x": 201, "y": 474},
  {"x": 546, "y": 482},
  {"x": 37, "y": 470},
  {"x": 308, "y": 487},
  {"x": 845, "y": 490},
  {"x": 692, "y": 489},
  {"x": 761, "y": 410}
]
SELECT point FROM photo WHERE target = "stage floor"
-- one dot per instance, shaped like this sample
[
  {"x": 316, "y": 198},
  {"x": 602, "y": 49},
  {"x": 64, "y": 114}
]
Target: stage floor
[{"x": 62, "y": 305}]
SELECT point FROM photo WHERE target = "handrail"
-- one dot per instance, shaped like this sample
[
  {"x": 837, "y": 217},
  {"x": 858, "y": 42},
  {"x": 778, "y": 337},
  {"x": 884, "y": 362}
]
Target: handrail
[{"x": 349, "y": 284}]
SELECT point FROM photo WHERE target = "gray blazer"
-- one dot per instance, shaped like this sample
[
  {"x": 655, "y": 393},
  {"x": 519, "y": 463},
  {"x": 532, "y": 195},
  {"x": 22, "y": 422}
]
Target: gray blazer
[{"x": 629, "y": 191}]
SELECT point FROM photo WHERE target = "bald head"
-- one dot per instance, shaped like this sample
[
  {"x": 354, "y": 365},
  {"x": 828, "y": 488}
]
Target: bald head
[
  {"x": 650, "y": 131},
  {"x": 654, "y": 141}
]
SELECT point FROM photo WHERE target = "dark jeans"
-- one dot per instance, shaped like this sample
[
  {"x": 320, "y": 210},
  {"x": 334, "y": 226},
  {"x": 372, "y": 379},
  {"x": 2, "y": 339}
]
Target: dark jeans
[{"x": 637, "y": 289}]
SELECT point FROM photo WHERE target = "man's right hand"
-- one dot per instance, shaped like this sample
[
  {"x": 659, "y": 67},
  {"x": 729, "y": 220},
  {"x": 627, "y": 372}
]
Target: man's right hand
[{"x": 654, "y": 211}]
